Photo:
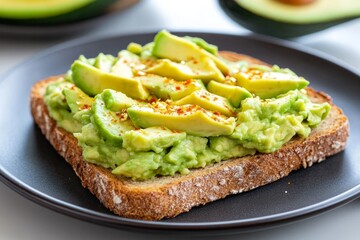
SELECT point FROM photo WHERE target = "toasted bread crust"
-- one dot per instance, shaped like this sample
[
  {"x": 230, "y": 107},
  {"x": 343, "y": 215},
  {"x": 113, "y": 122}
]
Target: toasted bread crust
[{"x": 166, "y": 197}]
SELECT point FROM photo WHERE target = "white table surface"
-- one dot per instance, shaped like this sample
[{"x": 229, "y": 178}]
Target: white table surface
[{"x": 22, "y": 219}]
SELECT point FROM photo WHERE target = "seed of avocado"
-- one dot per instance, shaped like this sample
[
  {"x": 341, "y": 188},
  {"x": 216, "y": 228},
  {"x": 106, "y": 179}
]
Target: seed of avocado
[
  {"x": 111, "y": 125},
  {"x": 234, "y": 94},
  {"x": 189, "y": 118},
  {"x": 166, "y": 88},
  {"x": 269, "y": 84},
  {"x": 93, "y": 81},
  {"x": 208, "y": 101},
  {"x": 167, "y": 45},
  {"x": 203, "y": 68}
]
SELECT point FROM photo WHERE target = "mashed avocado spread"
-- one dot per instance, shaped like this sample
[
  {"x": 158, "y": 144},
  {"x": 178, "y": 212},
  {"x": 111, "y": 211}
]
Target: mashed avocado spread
[{"x": 174, "y": 104}]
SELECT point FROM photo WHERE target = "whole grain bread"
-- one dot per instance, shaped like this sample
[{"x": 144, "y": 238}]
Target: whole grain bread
[{"x": 166, "y": 197}]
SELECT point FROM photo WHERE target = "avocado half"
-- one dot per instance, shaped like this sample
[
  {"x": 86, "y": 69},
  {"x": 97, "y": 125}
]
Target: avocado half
[
  {"x": 49, "y": 12},
  {"x": 278, "y": 19}
]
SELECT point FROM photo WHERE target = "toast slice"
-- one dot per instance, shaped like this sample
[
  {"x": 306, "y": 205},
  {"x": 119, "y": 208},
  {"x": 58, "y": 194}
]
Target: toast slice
[{"x": 166, "y": 197}]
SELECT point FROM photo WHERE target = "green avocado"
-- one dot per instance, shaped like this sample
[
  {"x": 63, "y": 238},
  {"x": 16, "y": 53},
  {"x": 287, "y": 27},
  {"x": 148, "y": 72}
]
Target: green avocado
[
  {"x": 156, "y": 139},
  {"x": 116, "y": 101},
  {"x": 269, "y": 83},
  {"x": 77, "y": 99},
  {"x": 213, "y": 49},
  {"x": 111, "y": 125},
  {"x": 189, "y": 118},
  {"x": 204, "y": 69},
  {"x": 93, "y": 81},
  {"x": 167, "y": 88},
  {"x": 47, "y": 12},
  {"x": 287, "y": 21},
  {"x": 208, "y": 101},
  {"x": 167, "y": 45},
  {"x": 234, "y": 94}
]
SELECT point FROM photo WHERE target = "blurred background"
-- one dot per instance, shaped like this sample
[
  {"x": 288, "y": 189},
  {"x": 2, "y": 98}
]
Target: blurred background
[{"x": 30, "y": 26}]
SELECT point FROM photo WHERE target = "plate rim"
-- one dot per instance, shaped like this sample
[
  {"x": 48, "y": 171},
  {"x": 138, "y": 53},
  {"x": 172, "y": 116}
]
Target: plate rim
[{"x": 121, "y": 222}]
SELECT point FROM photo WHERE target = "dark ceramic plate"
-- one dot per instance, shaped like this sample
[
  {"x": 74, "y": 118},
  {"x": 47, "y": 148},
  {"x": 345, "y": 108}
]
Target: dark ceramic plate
[{"x": 30, "y": 166}]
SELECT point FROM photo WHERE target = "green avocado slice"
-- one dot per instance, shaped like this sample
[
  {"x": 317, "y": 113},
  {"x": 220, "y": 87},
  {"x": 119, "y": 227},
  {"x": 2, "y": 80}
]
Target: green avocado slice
[
  {"x": 111, "y": 125},
  {"x": 153, "y": 138},
  {"x": 269, "y": 84},
  {"x": 167, "y": 45},
  {"x": 208, "y": 101},
  {"x": 189, "y": 118},
  {"x": 203, "y": 68},
  {"x": 234, "y": 94},
  {"x": 77, "y": 99},
  {"x": 93, "y": 81},
  {"x": 166, "y": 88}
]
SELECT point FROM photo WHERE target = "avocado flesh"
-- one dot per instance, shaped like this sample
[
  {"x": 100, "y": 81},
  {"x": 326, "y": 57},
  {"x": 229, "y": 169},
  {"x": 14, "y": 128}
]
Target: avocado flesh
[
  {"x": 213, "y": 49},
  {"x": 166, "y": 88},
  {"x": 208, "y": 101},
  {"x": 167, "y": 45},
  {"x": 155, "y": 139},
  {"x": 269, "y": 84},
  {"x": 116, "y": 101},
  {"x": 234, "y": 94},
  {"x": 20, "y": 9},
  {"x": 269, "y": 26},
  {"x": 93, "y": 81},
  {"x": 111, "y": 125},
  {"x": 50, "y": 12},
  {"x": 189, "y": 118},
  {"x": 318, "y": 11},
  {"x": 204, "y": 69},
  {"x": 77, "y": 99}
]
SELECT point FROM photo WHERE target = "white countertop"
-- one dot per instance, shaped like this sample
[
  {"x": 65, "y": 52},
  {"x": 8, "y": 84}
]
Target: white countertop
[{"x": 23, "y": 219}]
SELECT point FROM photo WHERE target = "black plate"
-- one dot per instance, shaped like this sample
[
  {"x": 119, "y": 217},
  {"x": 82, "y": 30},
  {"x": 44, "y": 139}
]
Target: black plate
[{"x": 30, "y": 166}]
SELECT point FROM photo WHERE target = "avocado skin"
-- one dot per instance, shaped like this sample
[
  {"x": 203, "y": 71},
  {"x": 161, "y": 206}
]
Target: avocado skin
[
  {"x": 271, "y": 27},
  {"x": 91, "y": 10}
]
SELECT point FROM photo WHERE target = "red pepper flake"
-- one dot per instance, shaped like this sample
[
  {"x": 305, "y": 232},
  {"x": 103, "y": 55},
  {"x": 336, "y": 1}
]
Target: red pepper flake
[
  {"x": 85, "y": 106},
  {"x": 187, "y": 82},
  {"x": 217, "y": 113},
  {"x": 178, "y": 88}
]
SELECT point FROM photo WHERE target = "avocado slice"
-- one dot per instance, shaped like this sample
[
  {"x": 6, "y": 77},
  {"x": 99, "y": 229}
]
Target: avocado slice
[
  {"x": 93, "y": 81},
  {"x": 213, "y": 49},
  {"x": 151, "y": 139},
  {"x": 111, "y": 125},
  {"x": 189, "y": 118},
  {"x": 203, "y": 68},
  {"x": 269, "y": 84},
  {"x": 167, "y": 45},
  {"x": 77, "y": 99},
  {"x": 234, "y": 94},
  {"x": 208, "y": 101},
  {"x": 102, "y": 62},
  {"x": 287, "y": 21},
  {"x": 116, "y": 101},
  {"x": 166, "y": 88},
  {"x": 46, "y": 12}
]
